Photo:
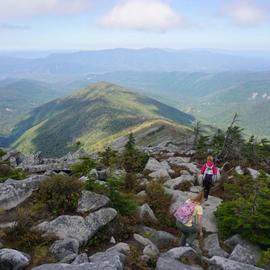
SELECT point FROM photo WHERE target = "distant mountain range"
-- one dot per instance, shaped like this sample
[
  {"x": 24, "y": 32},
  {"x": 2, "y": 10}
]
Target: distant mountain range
[
  {"x": 78, "y": 63},
  {"x": 96, "y": 113},
  {"x": 211, "y": 97},
  {"x": 18, "y": 97}
]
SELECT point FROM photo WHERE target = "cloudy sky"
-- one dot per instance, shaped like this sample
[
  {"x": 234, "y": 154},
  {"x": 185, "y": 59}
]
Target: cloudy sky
[{"x": 98, "y": 24}]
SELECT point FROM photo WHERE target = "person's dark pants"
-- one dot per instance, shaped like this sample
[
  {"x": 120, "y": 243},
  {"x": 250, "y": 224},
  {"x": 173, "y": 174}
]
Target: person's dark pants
[
  {"x": 189, "y": 234},
  {"x": 207, "y": 183}
]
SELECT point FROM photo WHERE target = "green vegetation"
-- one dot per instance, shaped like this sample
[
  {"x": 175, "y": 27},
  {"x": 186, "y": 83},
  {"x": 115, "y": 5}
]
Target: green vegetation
[
  {"x": 2, "y": 152},
  {"x": 247, "y": 210},
  {"x": 7, "y": 172},
  {"x": 124, "y": 203},
  {"x": 19, "y": 97},
  {"x": 89, "y": 116},
  {"x": 60, "y": 194},
  {"x": 84, "y": 167}
]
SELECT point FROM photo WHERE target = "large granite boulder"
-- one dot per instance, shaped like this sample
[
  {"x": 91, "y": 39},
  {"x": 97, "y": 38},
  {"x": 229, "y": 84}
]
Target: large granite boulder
[
  {"x": 14, "y": 192},
  {"x": 221, "y": 263},
  {"x": 161, "y": 239},
  {"x": 145, "y": 212},
  {"x": 169, "y": 263},
  {"x": 177, "y": 161},
  {"x": 242, "y": 254},
  {"x": 152, "y": 165},
  {"x": 173, "y": 183},
  {"x": 91, "y": 201},
  {"x": 236, "y": 239},
  {"x": 62, "y": 248},
  {"x": 11, "y": 259},
  {"x": 77, "y": 227},
  {"x": 161, "y": 174},
  {"x": 212, "y": 247},
  {"x": 14, "y": 158}
]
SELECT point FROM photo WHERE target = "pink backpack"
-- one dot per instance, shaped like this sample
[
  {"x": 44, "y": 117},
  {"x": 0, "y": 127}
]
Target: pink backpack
[{"x": 184, "y": 213}]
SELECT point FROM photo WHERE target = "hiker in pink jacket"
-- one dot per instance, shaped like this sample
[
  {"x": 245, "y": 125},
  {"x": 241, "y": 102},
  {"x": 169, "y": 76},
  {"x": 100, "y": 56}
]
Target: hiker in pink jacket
[{"x": 209, "y": 171}]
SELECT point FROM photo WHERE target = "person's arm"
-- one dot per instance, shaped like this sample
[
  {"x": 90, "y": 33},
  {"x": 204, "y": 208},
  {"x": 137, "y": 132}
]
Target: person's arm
[
  {"x": 203, "y": 168},
  {"x": 199, "y": 218}
]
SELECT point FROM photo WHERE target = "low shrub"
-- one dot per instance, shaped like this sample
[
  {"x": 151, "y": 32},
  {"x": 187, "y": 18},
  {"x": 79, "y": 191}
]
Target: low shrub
[
  {"x": 184, "y": 186},
  {"x": 160, "y": 203},
  {"x": 60, "y": 194},
  {"x": 83, "y": 167},
  {"x": 7, "y": 172},
  {"x": 248, "y": 211},
  {"x": 21, "y": 236},
  {"x": 124, "y": 203},
  {"x": 2, "y": 152}
]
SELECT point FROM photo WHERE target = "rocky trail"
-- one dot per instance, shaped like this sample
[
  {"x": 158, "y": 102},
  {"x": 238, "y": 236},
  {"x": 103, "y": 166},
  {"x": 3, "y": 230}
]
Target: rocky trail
[{"x": 168, "y": 164}]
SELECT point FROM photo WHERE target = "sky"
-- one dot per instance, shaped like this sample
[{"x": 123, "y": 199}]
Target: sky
[{"x": 102, "y": 24}]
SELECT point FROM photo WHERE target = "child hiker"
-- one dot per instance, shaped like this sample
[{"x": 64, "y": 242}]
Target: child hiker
[
  {"x": 209, "y": 171},
  {"x": 189, "y": 219}
]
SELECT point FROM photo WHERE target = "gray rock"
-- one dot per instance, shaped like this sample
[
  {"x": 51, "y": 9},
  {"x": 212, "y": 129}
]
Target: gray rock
[
  {"x": 142, "y": 240},
  {"x": 151, "y": 251},
  {"x": 168, "y": 263},
  {"x": 242, "y": 254},
  {"x": 221, "y": 263},
  {"x": 14, "y": 192},
  {"x": 182, "y": 253},
  {"x": 31, "y": 160},
  {"x": 254, "y": 173},
  {"x": 192, "y": 168},
  {"x": 76, "y": 227},
  {"x": 69, "y": 258},
  {"x": 14, "y": 157},
  {"x": 196, "y": 189},
  {"x": 238, "y": 170},
  {"x": 236, "y": 239},
  {"x": 160, "y": 238},
  {"x": 212, "y": 247},
  {"x": 13, "y": 259},
  {"x": 160, "y": 174},
  {"x": 145, "y": 212},
  {"x": 141, "y": 193},
  {"x": 173, "y": 183},
  {"x": 112, "y": 240},
  {"x": 102, "y": 175},
  {"x": 82, "y": 258},
  {"x": 62, "y": 248},
  {"x": 209, "y": 207},
  {"x": 120, "y": 247},
  {"x": 177, "y": 161},
  {"x": 152, "y": 165},
  {"x": 91, "y": 201}
]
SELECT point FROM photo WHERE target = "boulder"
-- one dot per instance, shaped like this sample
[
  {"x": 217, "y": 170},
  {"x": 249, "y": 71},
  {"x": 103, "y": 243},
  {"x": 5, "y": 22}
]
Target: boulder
[
  {"x": 120, "y": 247},
  {"x": 242, "y": 254},
  {"x": 141, "y": 193},
  {"x": 169, "y": 263},
  {"x": 14, "y": 192},
  {"x": 161, "y": 239},
  {"x": 62, "y": 248},
  {"x": 151, "y": 251},
  {"x": 212, "y": 247},
  {"x": 91, "y": 201},
  {"x": 209, "y": 207},
  {"x": 145, "y": 212},
  {"x": 31, "y": 160},
  {"x": 185, "y": 253},
  {"x": 93, "y": 175},
  {"x": 69, "y": 258},
  {"x": 13, "y": 259},
  {"x": 77, "y": 227},
  {"x": 238, "y": 170},
  {"x": 221, "y": 263},
  {"x": 142, "y": 240},
  {"x": 177, "y": 161},
  {"x": 196, "y": 189},
  {"x": 152, "y": 165},
  {"x": 254, "y": 173},
  {"x": 82, "y": 258},
  {"x": 102, "y": 175},
  {"x": 160, "y": 174},
  {"x": 236, "y": 239},
  {"x": 173, "y": 183},
  {"x": 14, "y": 157},
  {"x": 192, "y": 168}
]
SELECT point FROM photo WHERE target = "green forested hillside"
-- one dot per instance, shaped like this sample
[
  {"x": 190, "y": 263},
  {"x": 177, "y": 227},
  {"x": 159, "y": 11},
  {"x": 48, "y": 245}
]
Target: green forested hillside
[
  {"x": 88, "y": 116},
  {"x": 18, "y": 97}
]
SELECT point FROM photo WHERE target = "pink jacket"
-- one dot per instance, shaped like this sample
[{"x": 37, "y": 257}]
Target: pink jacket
[{"x": 210, "y": 164}]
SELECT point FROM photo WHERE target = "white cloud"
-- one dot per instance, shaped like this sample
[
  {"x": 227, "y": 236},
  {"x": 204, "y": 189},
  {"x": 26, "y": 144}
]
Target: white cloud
[
  {"x": 143, "y": 15},
  {"x": 25, "y": 8},
  {"x": 245, "y": 13}
]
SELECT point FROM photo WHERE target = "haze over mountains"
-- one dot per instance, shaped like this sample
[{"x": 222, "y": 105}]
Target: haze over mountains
[
  {"x": 211, "y": 85},
  {"x": 78, "y": 63}
]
